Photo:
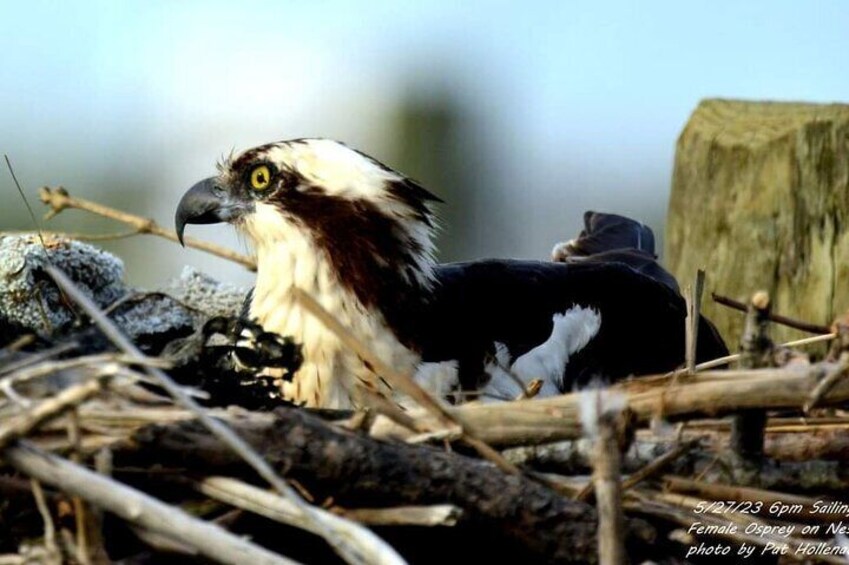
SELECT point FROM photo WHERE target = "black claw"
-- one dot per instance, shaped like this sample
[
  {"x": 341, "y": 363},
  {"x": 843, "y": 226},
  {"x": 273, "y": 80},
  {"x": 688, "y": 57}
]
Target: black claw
[{"x": 233, "y": 369}]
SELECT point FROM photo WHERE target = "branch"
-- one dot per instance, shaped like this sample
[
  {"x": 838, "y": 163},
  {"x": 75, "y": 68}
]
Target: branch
[
  {"x": 58, "y": 199},
  {"x": 777, "y": 318},
  {"x": 72, "y": 396},
  {"x": 607, "y": 482},
  {"x": 429, "y": 516},
  {"x": 694, "y": 304},
  {"x": 841, "y": 349},
  {"x": 253, "y": 499},
  {"x": 709, "y": 393},
  {"x": 756, "y": 351},
  {"x": 138, "y": 508},
  {"x": 357, "y": 470}
]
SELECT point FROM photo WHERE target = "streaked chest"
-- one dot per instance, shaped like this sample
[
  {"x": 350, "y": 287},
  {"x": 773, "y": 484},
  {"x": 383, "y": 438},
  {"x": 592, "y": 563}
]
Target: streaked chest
[{"x": 331, "y": 374}]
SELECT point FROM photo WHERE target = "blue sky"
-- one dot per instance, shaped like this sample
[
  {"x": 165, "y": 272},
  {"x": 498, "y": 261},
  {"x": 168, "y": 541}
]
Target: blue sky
[{"x": 574, "y": 104}]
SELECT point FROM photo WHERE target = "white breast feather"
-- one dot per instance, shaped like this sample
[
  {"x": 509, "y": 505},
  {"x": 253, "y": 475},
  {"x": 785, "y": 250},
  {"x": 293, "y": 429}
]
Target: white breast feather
[{"x": 286, "y": 258}]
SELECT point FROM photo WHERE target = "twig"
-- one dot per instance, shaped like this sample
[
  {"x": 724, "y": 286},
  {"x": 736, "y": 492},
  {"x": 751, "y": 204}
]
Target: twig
[
  {"x": 19, "y": 343},
  {"x": 218, "y": 428},
  {"x": 82, "y": 518},
  {"x": 38, "y": 357},
  {"x": 58, "y": 199},
  {"x": 77, "y": 236},
  {"x": 608, "y": 488},
  {"x": 27, "y": 421},
  {"x": 728, "y": 359},
  {"x": 140, "y": 296},
  {"x": 827, "y": 383},
  {"x": 50, "y": 367},
  {"x": 26, "y": 201},
  {"x": 658, "y": 464},
  {"x": 250, "y": 498},
  {"x": 446, "y": 434},
  {"x": 710, "y": 393},
  {"x": 841, "y": 350},
  {"x": 47, "y": 518},
  {"x": 694, "y": 301},
  {"x": 777, "y": 318},
  {"x": 138, "y": 508},
  {"x": 428, "y": 516},
  {"x": 747, "y": 428},
  {"x": 531, "y": 390}
]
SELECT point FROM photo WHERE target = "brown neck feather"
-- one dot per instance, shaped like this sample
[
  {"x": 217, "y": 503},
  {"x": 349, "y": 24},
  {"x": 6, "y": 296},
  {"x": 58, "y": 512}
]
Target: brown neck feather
[{"x": 371, "y": 253}]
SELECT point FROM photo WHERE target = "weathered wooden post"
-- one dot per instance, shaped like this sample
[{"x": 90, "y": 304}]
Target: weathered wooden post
[{"x": 760, "y": 199}]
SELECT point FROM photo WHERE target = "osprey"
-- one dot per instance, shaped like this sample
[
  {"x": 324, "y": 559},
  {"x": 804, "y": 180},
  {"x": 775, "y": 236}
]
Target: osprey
[{"x": 358, "y": 237}]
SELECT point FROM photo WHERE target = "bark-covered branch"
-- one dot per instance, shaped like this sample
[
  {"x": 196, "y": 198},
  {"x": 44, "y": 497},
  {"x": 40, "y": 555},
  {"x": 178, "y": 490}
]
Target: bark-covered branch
[{"x": 357, "y": 470}]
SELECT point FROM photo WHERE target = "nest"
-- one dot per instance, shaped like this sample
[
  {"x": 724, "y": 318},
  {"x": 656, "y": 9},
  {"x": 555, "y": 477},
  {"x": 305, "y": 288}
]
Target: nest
[{"x": 109, "y": 454}]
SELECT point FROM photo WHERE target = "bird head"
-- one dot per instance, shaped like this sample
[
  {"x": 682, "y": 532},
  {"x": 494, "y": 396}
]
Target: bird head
[{"x": 348, "y": 205}]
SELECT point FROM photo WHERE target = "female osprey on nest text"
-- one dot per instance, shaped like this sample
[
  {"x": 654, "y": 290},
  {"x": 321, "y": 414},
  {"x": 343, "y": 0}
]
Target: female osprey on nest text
[{"x": 357, "y": 236}]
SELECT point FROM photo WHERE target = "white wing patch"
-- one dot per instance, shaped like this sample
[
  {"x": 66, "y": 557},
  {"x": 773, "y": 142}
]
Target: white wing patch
[{"x": 571, "y": 332}]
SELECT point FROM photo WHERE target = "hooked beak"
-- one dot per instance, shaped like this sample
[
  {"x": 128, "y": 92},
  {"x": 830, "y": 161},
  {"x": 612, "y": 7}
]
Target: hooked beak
[{"x": 204, "y": 203}]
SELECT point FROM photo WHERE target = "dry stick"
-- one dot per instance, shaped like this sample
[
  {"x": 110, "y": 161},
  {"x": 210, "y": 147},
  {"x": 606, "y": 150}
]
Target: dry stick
[
  {"x": 827, "y": 383},
  {"x": 72, "y": 396},
  {"x": 248, "y": 497},
  {"x": 46, "y": 368},
  {"x": 42, "y": 355},
  {"x": 778, "y": 319},
  {"x": 747, "y": 428},
  {"x": 841, "y": 347},
  {"x": 138, "y": 508},
  {"x": 608, "y": 489},
  {"x": 531, "y": 390},
  {"x": 80, "y": 513},
  {"x": 658, "y": 464},
  {"x": 387, "y": 408},
  {"x": 694, "y": 301},
  {"x": 778, "y": 424},
  {"x": 19, "y": 343},
  {"x": 402, "y": 381},
  {"x": 427, "y": 516},
  {"x": 218, "y": 428},
  {"x": 58, "y": 199},
  {"x": 545, "y": 420},
  {"x": 728, "y": 359},
  {"x": 78, "y": 236},
  {"x": 26, "y": 201},
  {"x": 137, "y": 296},
  {"x": 47, "y": 518}
]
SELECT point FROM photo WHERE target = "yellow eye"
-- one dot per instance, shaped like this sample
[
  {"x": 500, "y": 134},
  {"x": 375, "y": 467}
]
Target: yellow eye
[{"x": 260, "y": 177}]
